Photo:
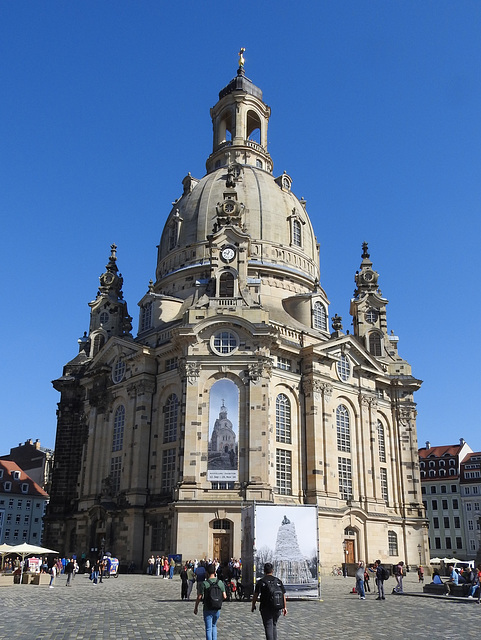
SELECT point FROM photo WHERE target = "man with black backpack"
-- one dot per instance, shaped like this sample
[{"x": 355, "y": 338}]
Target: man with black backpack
[
  {"x": 213, "y": 592},
  {"x": 381, "y": 574},
  {"x": 272, "y": 595}
]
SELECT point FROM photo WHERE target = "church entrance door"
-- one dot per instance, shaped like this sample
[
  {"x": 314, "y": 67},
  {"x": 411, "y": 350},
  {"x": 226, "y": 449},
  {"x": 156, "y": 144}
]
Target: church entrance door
[
  {"x": 349, "y": 551},
  {"x": 221, "y": 547}
]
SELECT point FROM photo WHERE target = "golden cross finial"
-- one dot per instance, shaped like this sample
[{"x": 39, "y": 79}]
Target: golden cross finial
[{"x": 241, "y": 58}]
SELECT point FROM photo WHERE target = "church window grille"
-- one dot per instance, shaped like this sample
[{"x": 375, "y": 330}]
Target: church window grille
[
  {"x": 392, "y": 543},
  {"x": 226, "y": 285},
  {"x": 118, "y": 371},
  {"x": 343, "y": 429},
  {"x": 146, "y": 317},
  {"x": 221, "y": 524},
  {"x": 99, "y": 342},
  {"x": 168, "y": 469},
  {"x": 104, "y": 317},
  {"x": 375, "y": 344},
  {"x": 381, "y": 442},
  {"x": 119, "y": 425},
  {"x": 171, "y": 415},
  {"x": 284, "y": 363},
  {"x": 115, "y": 471},
  {"x": 384, "y": 485},
  {"x": 258, "y": 163},
  {"x": 225, "y": 342},
  {"x": 296, "y": 233},
  {"x": 371, "y": 316},
  {"x": 159, "y": 535},
  {"x": 319, "y": 317},
  {"x": 283, "y": 419},
  {"x": 283, "y": 472},
  {"x": 345, "y": 478},
  {"x": 343, "y": 368}
]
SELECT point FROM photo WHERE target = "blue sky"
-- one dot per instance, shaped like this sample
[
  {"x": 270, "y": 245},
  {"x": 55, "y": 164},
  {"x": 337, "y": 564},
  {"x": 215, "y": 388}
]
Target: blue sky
[{"x": 375, "y": 115}]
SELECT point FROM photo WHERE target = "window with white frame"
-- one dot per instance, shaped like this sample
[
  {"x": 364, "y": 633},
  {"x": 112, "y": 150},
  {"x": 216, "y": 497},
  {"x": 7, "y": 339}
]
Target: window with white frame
[
  {"x": 224, "y": 342},
  {"x": 343, "y": 429},
  {"x": 118, "y": 371},
  {"x": 171, "y": 417},
  {"x": 168, "y": 469},
  {"x": 119, "y": 425},
  {"x": 345, "y": 478},
  {"x": 384, "y": 485},
  {"x": 319, "y": 316},
  {"x": 392, "y": 543},
  {"x": 284, "y": 363},
  {"x": 283, "y": 472},
  {"x": 283, "y": 419},
  {"x": 343, "y": 368},
  {"x": 381, "y": 441},
  {"x": 296, "y": 233}
]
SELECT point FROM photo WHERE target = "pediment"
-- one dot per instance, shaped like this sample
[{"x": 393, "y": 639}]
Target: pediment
[
  {"x": 348, "y": 345},
  {"x": 115, "y": 348}
]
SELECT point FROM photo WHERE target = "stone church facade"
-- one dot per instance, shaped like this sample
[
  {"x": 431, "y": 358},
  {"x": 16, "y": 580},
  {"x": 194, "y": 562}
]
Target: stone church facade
[{"x": 235, "y": 389}]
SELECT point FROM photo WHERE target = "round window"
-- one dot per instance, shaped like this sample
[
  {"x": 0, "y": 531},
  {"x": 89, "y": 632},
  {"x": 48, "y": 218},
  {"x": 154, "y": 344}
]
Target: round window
[
  {"x": 118, "y": 371},
  {"x": 371, "y": 316},
  {"x": 104, "y": 317},
  {"x": 224, "y": 342}
]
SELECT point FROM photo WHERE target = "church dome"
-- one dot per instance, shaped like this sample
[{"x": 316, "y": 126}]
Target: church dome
[{"x": 238, "y": 217}]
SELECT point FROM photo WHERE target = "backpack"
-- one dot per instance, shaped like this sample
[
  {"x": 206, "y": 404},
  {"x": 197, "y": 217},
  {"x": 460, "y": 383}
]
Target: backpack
[
  {"x": 275, "y": 595},
  {"x": 213, "y": 596},
  {"x": 385, "y": 573}
]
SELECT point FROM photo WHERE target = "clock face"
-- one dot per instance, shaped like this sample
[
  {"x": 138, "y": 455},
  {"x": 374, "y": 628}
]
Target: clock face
[{"x": 228, "y": 254}]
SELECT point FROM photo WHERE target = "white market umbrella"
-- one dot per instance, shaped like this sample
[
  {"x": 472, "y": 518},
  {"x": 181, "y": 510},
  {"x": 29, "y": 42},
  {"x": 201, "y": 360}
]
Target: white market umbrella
[
  {"x": 4, "y": 549},
  {"x": 26, "y": 549},
  {"x": 435, "y": 560}
]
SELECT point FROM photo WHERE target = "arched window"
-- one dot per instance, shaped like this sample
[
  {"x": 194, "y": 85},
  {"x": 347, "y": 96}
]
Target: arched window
[
  {"x": 225, "y": 128},
  {"x": 381, "y": 441},
  {"x": 98, "y": 343},
  {"x": 319, "y": 317},
  {"x": 343, "y": 431},
  {"x": 296, "y": 233},
  {"x": 253, "y": 127},
  {"x": 119, "y": 424},
  {"x": 146, "y": 317},
  {"x": 343, "y": 368},
  {"x": 375, "y": 344},
  {"x": 171, "y": 415},
  {"x": 226, "y": 285},
  {"x": 283, "y": 418},
  {"x": 442, "y": 472},
  {"x": 392, "y": 543},
  {"x": 452, "y": 472}
]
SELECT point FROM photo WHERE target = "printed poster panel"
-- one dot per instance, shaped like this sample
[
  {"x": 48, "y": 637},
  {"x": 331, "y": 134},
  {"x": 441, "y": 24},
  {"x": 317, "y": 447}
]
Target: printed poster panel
[
  {"x": 223, "y": 452},
  {"x": 287, "y": 537}
]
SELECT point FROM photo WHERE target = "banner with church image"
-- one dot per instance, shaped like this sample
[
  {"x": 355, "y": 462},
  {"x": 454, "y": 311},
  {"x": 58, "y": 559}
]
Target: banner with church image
[
  {"x": 287, "y": 537},
  {"x": 223, "y": 448}
]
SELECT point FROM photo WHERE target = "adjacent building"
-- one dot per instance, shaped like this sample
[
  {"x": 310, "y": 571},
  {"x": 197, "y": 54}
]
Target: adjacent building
[
  {"x": 451, "y": 488},
  {"x": 236, "y": 389},
  {"x": 35, "y": 460},
  {"x": 22, "y": 506}
]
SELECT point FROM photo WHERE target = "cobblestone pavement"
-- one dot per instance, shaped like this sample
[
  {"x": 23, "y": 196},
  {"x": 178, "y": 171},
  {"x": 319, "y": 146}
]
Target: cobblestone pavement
[{"x": 148, "y": 608}]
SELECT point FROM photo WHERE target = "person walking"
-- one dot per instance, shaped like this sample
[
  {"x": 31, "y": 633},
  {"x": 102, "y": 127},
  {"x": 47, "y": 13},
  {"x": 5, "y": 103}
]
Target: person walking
[
  {"x": 69, "y": 569},
  {"x": 53, "y": 573},
  {"x": 272, "y": 595},
  {"x": 184, "y": 583},
  {"x": 212, "y": 591},
  {"x": 420, "y": 574},
  {"x": 360, "y": 580},
  {"x": 380, "y": 577},
  {"x": 399, "y": 577}
]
